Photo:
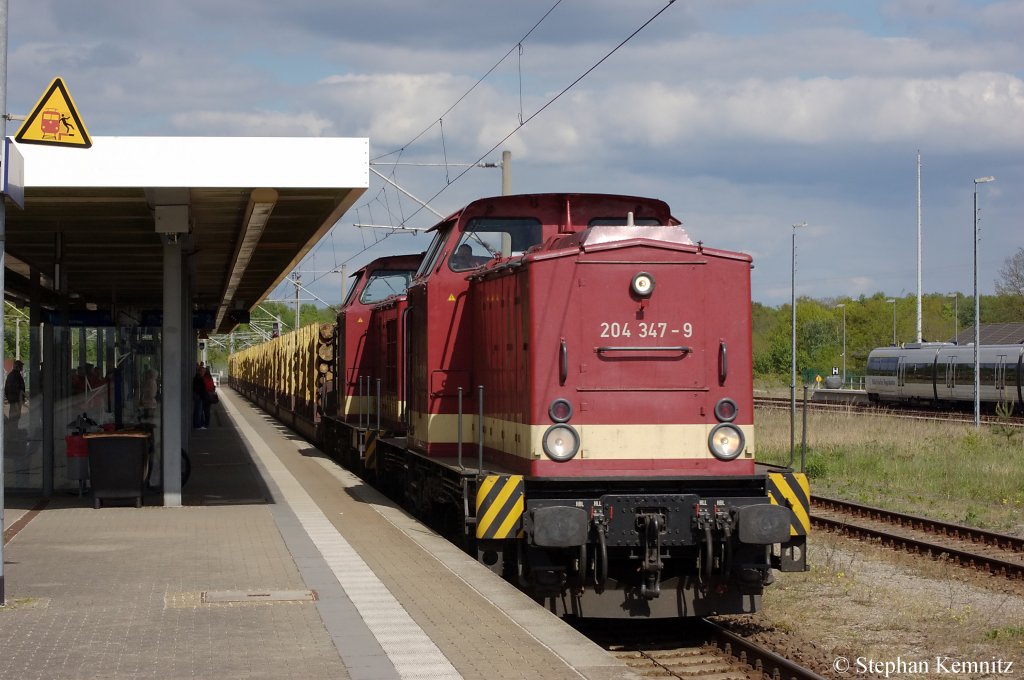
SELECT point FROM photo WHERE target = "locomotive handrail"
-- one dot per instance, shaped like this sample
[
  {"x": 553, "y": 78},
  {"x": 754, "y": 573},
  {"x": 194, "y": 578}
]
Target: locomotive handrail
[
  {"x": 480, "y": 432},
  {"x": 563, "y": 363},
  {"x": 723, "y": 362},
  {"x": 634, "y": 348},
  {"x": 461, "y": 466}
]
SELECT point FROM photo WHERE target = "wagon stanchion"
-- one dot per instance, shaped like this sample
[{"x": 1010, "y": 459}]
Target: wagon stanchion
[
  {"x": 378, "y": 406},
  {"x": 359, "y": 411},
  {"x": 461, "y": 466},
  {"x": 480, "y": 431}
]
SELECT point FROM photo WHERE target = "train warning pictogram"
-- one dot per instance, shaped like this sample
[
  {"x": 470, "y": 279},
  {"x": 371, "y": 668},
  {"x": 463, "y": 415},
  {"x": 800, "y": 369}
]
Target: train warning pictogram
[{"x": 54, "y": 120}]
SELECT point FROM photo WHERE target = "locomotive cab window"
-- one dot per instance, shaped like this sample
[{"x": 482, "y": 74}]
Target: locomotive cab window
[
  {"x": 434, "y": 251},
  {"x": 487, "y": 238},
  {"x": 384, "y": 283},
  {"x": 352, "y": 289}
]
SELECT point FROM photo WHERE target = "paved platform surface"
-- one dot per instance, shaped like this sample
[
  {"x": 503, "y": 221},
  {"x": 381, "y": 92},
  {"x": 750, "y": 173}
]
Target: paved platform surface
[{"x": 221, "y": 588}]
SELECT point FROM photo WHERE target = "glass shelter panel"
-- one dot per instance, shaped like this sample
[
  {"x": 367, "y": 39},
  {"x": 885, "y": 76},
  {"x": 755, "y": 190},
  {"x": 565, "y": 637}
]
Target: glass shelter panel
[{"x": 85, "y": 379}]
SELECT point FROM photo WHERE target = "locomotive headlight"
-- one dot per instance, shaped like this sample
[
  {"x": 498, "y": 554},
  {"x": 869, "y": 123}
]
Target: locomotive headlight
[
  {"x": 561, "y": 442},
  {"x": 726, "y": 410},
  {"x": 642, "y": 284},
  {"x": 726, "y": 441},
  {"x": 560, "y": 411}
]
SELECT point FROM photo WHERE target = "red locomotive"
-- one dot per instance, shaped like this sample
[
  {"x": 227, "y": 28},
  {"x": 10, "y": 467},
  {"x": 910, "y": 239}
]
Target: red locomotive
[
  {"x": 567, "y": 387},
  {"x": 362, "y": 333}
]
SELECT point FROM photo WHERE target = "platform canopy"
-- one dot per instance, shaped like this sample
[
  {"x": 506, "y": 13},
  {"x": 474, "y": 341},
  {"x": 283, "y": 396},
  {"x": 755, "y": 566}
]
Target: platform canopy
[{"x": 246, "y": 211}]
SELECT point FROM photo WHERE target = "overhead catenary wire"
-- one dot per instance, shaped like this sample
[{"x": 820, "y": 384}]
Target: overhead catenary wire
[
  {"x": 440, "y": 119},
  {"x": 399, "y": 228},
  {"x": 458, "y": 101},
  {"x": 444, "y": 151},
  {"x": 550, "y": 102},
  {"x": 520, "y": 83},
  {"x": 491, "y": 164}
]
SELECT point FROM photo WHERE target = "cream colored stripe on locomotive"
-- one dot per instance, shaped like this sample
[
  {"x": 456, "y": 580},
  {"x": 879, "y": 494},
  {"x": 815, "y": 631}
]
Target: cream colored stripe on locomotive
[
  {"x": 597, "y": 442},
  {"x": 355, "y": 405}
]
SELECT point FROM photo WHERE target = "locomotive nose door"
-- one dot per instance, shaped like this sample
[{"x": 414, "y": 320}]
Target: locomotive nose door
[{"x": 652, "y": 344}]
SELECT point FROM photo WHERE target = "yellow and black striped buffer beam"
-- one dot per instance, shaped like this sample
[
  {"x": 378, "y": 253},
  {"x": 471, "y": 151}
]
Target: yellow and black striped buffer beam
[
  {"x": 499, "y": 506},
  {"x": 790, "y": 489},
  {"x": 370, "y": 449}
]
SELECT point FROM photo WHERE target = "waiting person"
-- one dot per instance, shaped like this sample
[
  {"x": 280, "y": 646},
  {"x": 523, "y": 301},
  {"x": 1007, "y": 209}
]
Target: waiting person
[
  {"x": 14, "y": 391},
  {"x": 200, "y": 400},
  {"x": 211, "y": 395}
]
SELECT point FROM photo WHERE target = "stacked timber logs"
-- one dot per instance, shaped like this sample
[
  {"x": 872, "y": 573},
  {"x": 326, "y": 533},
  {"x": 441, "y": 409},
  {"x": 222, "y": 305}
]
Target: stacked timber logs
[
  {"x": 325, "y": 366},
  {"x": 290, "y": 371}
]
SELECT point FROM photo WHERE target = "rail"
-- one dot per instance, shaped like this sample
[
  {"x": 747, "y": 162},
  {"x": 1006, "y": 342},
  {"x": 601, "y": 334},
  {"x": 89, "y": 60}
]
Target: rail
[
  {"x": 693, "y": 649},
  {"x": 1005, "y": 556},
  {"x": 762, "y": 660},
  {"x": 907, "y": 413}
]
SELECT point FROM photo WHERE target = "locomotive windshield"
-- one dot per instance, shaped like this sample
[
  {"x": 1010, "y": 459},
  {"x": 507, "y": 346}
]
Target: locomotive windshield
[
  {"x": 486, "y": 238},
  {"x": 384, "y": 283}
]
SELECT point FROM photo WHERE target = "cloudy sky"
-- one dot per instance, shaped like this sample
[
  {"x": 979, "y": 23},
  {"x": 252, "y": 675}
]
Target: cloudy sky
[{"x": 745, "y": 116}]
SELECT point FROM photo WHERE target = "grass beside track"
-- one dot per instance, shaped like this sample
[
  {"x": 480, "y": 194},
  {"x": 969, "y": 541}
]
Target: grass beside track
[{"x": 945, "y": 471}]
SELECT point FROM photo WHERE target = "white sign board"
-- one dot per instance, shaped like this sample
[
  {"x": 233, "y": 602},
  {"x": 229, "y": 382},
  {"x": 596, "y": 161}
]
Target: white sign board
[{"x": 13, "y": 174}]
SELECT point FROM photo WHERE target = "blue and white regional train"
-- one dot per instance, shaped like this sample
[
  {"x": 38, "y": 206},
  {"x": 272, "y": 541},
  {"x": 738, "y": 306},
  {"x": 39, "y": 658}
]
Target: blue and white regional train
[{"x": 943, "y": 373}]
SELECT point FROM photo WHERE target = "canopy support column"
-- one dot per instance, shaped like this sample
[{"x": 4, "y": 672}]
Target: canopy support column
[{"x": 173, "y": 344}]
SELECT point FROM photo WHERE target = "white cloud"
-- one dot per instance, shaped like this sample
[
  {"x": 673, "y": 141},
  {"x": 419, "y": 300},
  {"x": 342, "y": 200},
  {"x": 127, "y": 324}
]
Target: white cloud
[
  {"x": 252, "y": 124},
  {"x": 745, "y": 116}
]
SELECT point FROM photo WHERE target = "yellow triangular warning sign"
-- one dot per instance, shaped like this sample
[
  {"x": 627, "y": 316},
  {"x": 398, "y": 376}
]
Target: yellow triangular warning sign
[
  {"x": 54, "y": 120},
  {"x": 451, "y": 297},
  {"x": 359, "y": 320}
]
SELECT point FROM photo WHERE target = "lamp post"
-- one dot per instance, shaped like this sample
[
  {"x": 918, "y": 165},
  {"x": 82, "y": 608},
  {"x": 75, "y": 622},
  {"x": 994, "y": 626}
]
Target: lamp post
[
  {"x": 977, "y": 307},
  {"x": 792, "y": 375},
  {"x": 956, "y": 316},
  {"x": 843, "y": 306},
  {"x": 892, "y": 301}
]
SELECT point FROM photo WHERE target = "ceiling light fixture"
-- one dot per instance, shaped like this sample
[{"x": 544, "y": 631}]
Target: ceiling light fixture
[{"x": 257, "y": 214}]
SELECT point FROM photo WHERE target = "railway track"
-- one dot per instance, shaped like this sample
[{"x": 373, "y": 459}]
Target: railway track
[
  {"x": 997, "y": 554},
  {"x": 908, "y": 413},
  {"x": 703, "y": 649}
]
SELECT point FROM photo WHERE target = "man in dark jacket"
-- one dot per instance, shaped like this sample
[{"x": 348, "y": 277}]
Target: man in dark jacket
[
  {"x": 200, "y": 399},
  {"x": 14, "y": 391}
]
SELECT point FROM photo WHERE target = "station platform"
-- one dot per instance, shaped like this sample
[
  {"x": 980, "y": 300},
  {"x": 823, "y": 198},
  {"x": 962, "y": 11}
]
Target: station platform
[{"x": 280, "y": 564}]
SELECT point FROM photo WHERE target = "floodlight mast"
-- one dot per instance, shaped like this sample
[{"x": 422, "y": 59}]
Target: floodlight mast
[
  {"x": 977, "y": 307},
  {"x": 792, "y": 375},
  {"x": 919, "y": 246}
]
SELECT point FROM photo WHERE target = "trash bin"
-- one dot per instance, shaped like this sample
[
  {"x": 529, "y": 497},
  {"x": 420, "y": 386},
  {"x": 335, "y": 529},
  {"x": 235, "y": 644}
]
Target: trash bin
[
  {"x": 78, "y": 460},
  {"x": 118, "y": 465}
]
